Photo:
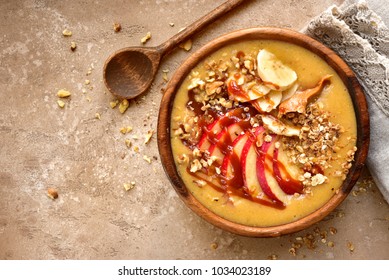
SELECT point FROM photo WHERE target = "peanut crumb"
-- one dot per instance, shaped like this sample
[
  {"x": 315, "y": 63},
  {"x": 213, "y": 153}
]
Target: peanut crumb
[
  {"x": 187, "y": 45},
  {"x": 128, "y": 187},
  {"x": 148, "y": 136},
  {"x": 146, "y": 158},
  {"x": 123, "y": 106},
  {"x": 146, "y": 38},
  {"x": 117, "y": 27},
  {"x": 73, "y": 46},
  {"x": 60, "y": 103},
  {"x": 350, "y": 246},
  {"x": 63, "y": 93},
  {"x": 164, "y": 75},
  {"x": 52, "y": 193},
  {"x": 67, "y": 33},
  {"x": 128, "y": 143},
  {"x": 113, "y": 104},
  {"x": 272, "y": 257}
]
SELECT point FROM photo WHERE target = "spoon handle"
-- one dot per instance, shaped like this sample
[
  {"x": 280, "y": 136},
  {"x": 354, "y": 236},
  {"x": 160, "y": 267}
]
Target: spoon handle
[{"x": 190, "y": 30}]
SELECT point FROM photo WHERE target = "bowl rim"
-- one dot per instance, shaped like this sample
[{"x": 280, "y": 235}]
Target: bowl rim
[{"x": 270, "y": 33}]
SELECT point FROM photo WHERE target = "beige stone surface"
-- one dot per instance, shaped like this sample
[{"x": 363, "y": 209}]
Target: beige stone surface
[{"x": 86, "y": 160}]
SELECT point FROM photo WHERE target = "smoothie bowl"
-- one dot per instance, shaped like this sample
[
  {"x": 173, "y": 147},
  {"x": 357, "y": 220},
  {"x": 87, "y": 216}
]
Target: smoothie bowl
[{"x": 263, "y": 131}]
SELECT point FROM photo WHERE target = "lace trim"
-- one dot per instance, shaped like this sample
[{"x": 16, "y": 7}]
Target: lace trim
[{"x": 361, "y": 38}]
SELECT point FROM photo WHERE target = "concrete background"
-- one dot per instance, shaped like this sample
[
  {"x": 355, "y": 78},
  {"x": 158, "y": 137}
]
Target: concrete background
[{"x": 87, "y": 161}]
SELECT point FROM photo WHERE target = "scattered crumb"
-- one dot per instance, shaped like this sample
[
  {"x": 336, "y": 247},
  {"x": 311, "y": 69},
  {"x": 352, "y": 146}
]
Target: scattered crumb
[
  {"x": 146, "y": 38},
  {"x": 123, "y": 106},
  {"x": 330, "y": 244},
  {"x": 350, "y": 246},
  {"x": 87, "y": 82},
  {"x": 146, "y": 158},
  {"x": 171, "y": 24},
  {"x": 83, "y": 91},
  {"x": 148, "y": 136},
  {"x": 113, "y": 104},
  {"x": 293, "y": 251},
  {"x": 61, "y": 103},
  {"x": 63, "y": 93},
  {"x": 117, "y": 27},
  {"x": 126, "y": 129},
  {"x": 52, "y": 193},
  {"x": 186, "y": 45},
  {"x": 73, "y": 46},
  {"x": 272, "y": 257},
  {"x": 128, "y": 187},
  {"x": 98, "y": 116},
  {"x": 136, "y": 149},
  {"x": 164, "y": 75},
  {"x": 214, "y": 246},
  {"x": 67, "y": 33},
  {"x": 128, "y": 143}
]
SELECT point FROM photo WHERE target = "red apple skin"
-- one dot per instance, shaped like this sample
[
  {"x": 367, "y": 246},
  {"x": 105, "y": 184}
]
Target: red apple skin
[
  {"x": 288, "y": 184},
  {"x": 248, "y": 162},
  {"x": 261, "y": 171},
  {"x": 212, "y": 130}
]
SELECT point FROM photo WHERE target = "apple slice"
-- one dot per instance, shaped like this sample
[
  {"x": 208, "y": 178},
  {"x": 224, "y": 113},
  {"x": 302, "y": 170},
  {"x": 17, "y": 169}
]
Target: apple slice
[
  {"x": 231, "y": 167},
  {"x": 211, "y": 132},
  {"x": 265, "y": 173},
  {"x": 285, "y": 173},
  {"x": 248, "y": 162},
  {"x": 225, "y": 139}
]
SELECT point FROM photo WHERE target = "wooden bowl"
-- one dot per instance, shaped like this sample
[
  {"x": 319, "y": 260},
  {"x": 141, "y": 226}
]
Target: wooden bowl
[{"x": 345, "y": 73}]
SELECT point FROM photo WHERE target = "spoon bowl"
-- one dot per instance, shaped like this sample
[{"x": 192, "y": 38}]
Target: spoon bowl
[{"x": 130, "y": 71}]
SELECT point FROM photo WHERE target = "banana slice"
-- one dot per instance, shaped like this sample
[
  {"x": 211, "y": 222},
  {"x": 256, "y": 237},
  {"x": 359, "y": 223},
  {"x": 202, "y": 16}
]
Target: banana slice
[
  {"x": 273, "y": 72},
  {"x": 269, "y": 102},
  {"x": 278, "y": 127},
  {"x": 289, "y": 92},
  {"x": 240, "y": 90}
]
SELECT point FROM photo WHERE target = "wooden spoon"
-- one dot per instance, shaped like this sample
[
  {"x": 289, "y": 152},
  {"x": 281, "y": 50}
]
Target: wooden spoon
[{"x": 129, "y": 72}]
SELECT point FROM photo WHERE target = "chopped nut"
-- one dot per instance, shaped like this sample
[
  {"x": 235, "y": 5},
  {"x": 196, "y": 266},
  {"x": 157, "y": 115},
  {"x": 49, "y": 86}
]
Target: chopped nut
[
  {"x": 128, "y": 187},
  {"x": 330, "y": 244},
  {"x": 148, "y": 136},
  {"x": 61, "y": 103},
  {"x": 186, "y": 45},
  {"x": 125, "y": 129},
  {"x": 63, "y": 93},
  {"x": 52, "y": 193},
  {"x": 128, "y": 143},
  {"x": 171, "y": 24},
  {"x": 98, "y": 116},
  {"x": 333, "y": 230},
  {"x": 123, "y": 106},
  {"x": 117, "y": 27},
  {"x": 350, "y": 246},
  {"x": 214, "y": 246},
  {"x": 146, "y": 158},
  {"x": 272, "y": 257},
  {"x": 87, "y": 82},
  {"x": 146, "y": 38},
  {"x": 73, "y": 46},
  {"x": 136, "y": 149},
  {"x": 67, "y": 33},
  {"x": 164, "y": 75}
]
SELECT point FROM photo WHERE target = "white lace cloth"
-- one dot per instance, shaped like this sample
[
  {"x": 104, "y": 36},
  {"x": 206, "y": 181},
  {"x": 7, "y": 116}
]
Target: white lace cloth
[{"x": 361, "y": 38}]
